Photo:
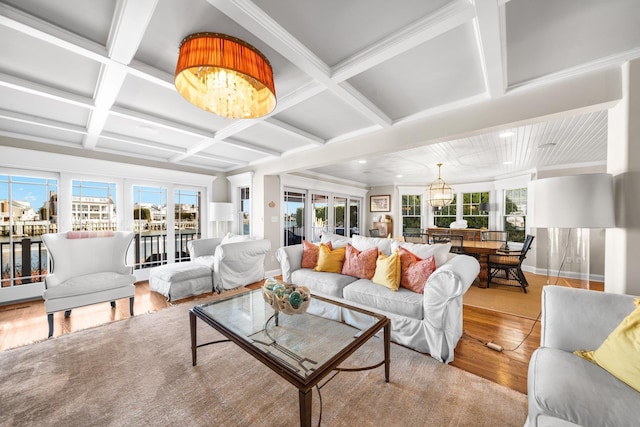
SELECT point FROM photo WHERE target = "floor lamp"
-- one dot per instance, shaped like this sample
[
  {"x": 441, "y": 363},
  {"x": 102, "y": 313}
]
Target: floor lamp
[
  {"x": 220, "y": 212},
  {"x": 569, "y": 206}
]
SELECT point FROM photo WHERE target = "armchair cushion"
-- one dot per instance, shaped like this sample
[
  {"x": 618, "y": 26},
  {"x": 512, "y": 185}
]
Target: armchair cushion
[
  {"x": 88, "y": 284},
  {"x": 619, "y": 354}
]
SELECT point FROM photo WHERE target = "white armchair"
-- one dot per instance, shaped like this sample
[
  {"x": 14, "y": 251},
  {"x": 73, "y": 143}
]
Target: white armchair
[
  {"x": 87, "y": 268},
  {"x": 234, "y": 264}
]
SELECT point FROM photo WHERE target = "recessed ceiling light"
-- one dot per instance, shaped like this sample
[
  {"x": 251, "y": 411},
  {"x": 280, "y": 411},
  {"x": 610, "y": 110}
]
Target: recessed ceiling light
[
  {"x": 362, "y": 161},
  {"x": 506, "y": 134},
  {"x": 147, "y": 129},
  {"x": 507, "y": 163},
  {"x": 399, "y": 176},
  {"x": 547, "y": 145}
]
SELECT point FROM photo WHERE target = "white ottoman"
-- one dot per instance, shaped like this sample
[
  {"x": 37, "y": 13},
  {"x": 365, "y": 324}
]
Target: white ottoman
[{"x": 181, "y": 280}]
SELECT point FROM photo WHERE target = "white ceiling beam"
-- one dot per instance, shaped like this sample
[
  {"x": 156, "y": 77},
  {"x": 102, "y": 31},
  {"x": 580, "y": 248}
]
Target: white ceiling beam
[
  {"x": 48, "y": 92},
  {"x": 252, "y": 147},
  {"x": 444, "y": 19},
  {"x": 128, "y": 26},
  {"x": 49, "y": 33},
  {"x": 491, "y": 39},
  {"x": 39, "y": 121},
  {"x": 292, "y": 130},
  {"x": 256, "y": 21}
]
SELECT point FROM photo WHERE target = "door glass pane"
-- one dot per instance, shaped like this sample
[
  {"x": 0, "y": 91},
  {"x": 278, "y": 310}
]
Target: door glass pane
[
  {"x": 93, "y": 206},
  {"x": 245, "y": 212},
  {"x": 294, "y": 214},
  {"x": 28, "y": 209},
  {"x": 340, "y": 215},
  {"x": 187, "y": 218},
  {"x": 354, "y": 217},
  {"x": 150, "y": 225},
  {"x": 319, "y": 207}
]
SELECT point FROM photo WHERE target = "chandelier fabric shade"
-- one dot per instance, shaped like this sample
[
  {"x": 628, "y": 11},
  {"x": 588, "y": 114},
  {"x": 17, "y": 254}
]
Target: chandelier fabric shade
[
  {"x": 225, "y": 76},
  {"x": 440, "y": 194}
]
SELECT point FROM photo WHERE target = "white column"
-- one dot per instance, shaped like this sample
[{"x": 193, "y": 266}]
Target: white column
[{"x": 622, "y": 269}]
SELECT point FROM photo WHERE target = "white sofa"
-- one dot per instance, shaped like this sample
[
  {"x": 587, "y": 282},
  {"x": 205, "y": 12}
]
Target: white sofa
[
  {"x": 429, "y": 322},
  {"x": 567, "y": 390},
  {"x": 87, "y": 268},
  {"x": 217, "y": 264}
]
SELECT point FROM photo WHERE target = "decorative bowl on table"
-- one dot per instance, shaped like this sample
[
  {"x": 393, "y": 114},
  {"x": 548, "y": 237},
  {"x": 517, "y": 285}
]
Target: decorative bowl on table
[{"x": 286, "y": 298}]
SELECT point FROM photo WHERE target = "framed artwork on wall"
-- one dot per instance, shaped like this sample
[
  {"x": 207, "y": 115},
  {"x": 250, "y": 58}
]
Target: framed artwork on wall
[{"x": 380, "y": 203}]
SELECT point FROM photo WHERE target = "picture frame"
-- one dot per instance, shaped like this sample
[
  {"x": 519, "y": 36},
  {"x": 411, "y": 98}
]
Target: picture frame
[{"x": 380, "y": 203}]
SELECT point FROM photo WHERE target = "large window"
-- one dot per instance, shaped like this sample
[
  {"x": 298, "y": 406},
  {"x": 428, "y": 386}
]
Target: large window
[
  {"x": 28, "y": 209},
  {"x": 471, "y": 209},
  {"x": 411, "y": 213},
  {"x": 188, "y": 220},
  {"x": 294, "y": 214},
  {"x": 444, "y": 216},
  {"x": 93, "y": 206},
  {"x": 515, "y": 213}
]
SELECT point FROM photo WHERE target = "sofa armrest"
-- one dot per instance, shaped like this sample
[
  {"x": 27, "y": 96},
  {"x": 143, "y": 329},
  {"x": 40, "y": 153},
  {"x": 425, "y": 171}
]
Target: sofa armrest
[
  {"x": 203, "y": 247},
  {"x": 290, "y": 258},
  {"x": 580, "y": 319},
  {"x": 449, "y": 281}
]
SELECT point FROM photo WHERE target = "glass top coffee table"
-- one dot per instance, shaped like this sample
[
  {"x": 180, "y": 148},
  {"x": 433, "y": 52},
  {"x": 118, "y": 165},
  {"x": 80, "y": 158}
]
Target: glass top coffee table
[{"x": 301, "y": 348}]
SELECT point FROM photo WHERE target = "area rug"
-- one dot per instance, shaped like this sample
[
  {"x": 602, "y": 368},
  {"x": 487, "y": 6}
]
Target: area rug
[
  {"x": 138, "y": 372},
  {"x": 507, "y": 299}
]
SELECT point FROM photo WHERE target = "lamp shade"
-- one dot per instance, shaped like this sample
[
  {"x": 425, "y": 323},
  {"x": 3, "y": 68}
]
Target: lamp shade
[
  {"x": 225, "y": 76},
  {"x": 576, "y": 201},
  {"x": 220, "y": 211}
]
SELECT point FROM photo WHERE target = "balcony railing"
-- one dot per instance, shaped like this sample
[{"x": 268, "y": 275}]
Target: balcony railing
[{"x": 25, "y": 260}]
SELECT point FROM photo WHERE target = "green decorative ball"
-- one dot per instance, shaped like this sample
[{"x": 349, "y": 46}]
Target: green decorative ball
[
  {"x": 279, "y": 289},
  {"x": 270, "y": 283},
  {"x": 295, "y": 299}
]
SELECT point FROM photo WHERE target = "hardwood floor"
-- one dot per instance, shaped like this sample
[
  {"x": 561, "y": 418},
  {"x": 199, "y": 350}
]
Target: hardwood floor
[{"x": 26, "y": 322}]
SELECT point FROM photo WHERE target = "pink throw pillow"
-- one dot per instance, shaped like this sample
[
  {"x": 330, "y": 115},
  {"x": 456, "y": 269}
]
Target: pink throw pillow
[
  {"x": 310, "y": 252},
  {"x": 415, "y": 271},
  {"x": 360, "y": 264}
]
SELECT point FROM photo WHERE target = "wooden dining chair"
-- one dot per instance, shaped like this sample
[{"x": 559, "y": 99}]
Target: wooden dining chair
[{"x": 505, "y": 267}]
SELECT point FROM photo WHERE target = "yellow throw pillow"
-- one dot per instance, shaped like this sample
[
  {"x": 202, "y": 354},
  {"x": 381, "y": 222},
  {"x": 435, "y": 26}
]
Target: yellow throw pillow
[
  {"x": 619, "y": 354},
  {"x": 329, "y": 260},
  {"x": 388, "y": 271}
]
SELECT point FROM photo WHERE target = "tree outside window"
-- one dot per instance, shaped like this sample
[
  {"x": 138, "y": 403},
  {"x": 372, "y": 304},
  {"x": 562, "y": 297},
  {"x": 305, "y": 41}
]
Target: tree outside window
[
  {"x": 445, "y": 215},
  {"x": 515, "y": 214},
  {"x": 411, "y": 213},
  {"x": 471, "y": 209}
]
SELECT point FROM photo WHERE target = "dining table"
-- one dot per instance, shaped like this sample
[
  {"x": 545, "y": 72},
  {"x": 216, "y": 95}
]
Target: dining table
[{"x": 482, "y": 250}]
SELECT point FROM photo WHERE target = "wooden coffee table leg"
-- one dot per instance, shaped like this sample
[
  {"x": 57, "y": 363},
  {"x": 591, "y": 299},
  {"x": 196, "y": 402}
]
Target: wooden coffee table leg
[{"x": 305, "y": 407}]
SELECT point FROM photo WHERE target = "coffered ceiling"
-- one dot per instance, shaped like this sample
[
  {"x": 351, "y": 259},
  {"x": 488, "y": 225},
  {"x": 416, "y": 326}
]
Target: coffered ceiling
[{"x": 96, "y": 78}]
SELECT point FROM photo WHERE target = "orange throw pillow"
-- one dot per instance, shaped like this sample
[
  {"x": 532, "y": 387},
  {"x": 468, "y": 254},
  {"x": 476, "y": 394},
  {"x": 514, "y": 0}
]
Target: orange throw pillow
[
  {"x": 415, "y": 270},
  {"x": 360, "y": 264},
  {"x": 310, "y": 253}
]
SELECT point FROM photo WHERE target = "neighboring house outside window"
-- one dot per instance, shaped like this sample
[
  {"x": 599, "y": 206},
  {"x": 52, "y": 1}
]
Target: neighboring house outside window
[
  {"x": 28, "y": 209},
  {"x": 515, "y": 214},
  {"x": 93, "y": 207},
  {"x": 188, "y": 220}
]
